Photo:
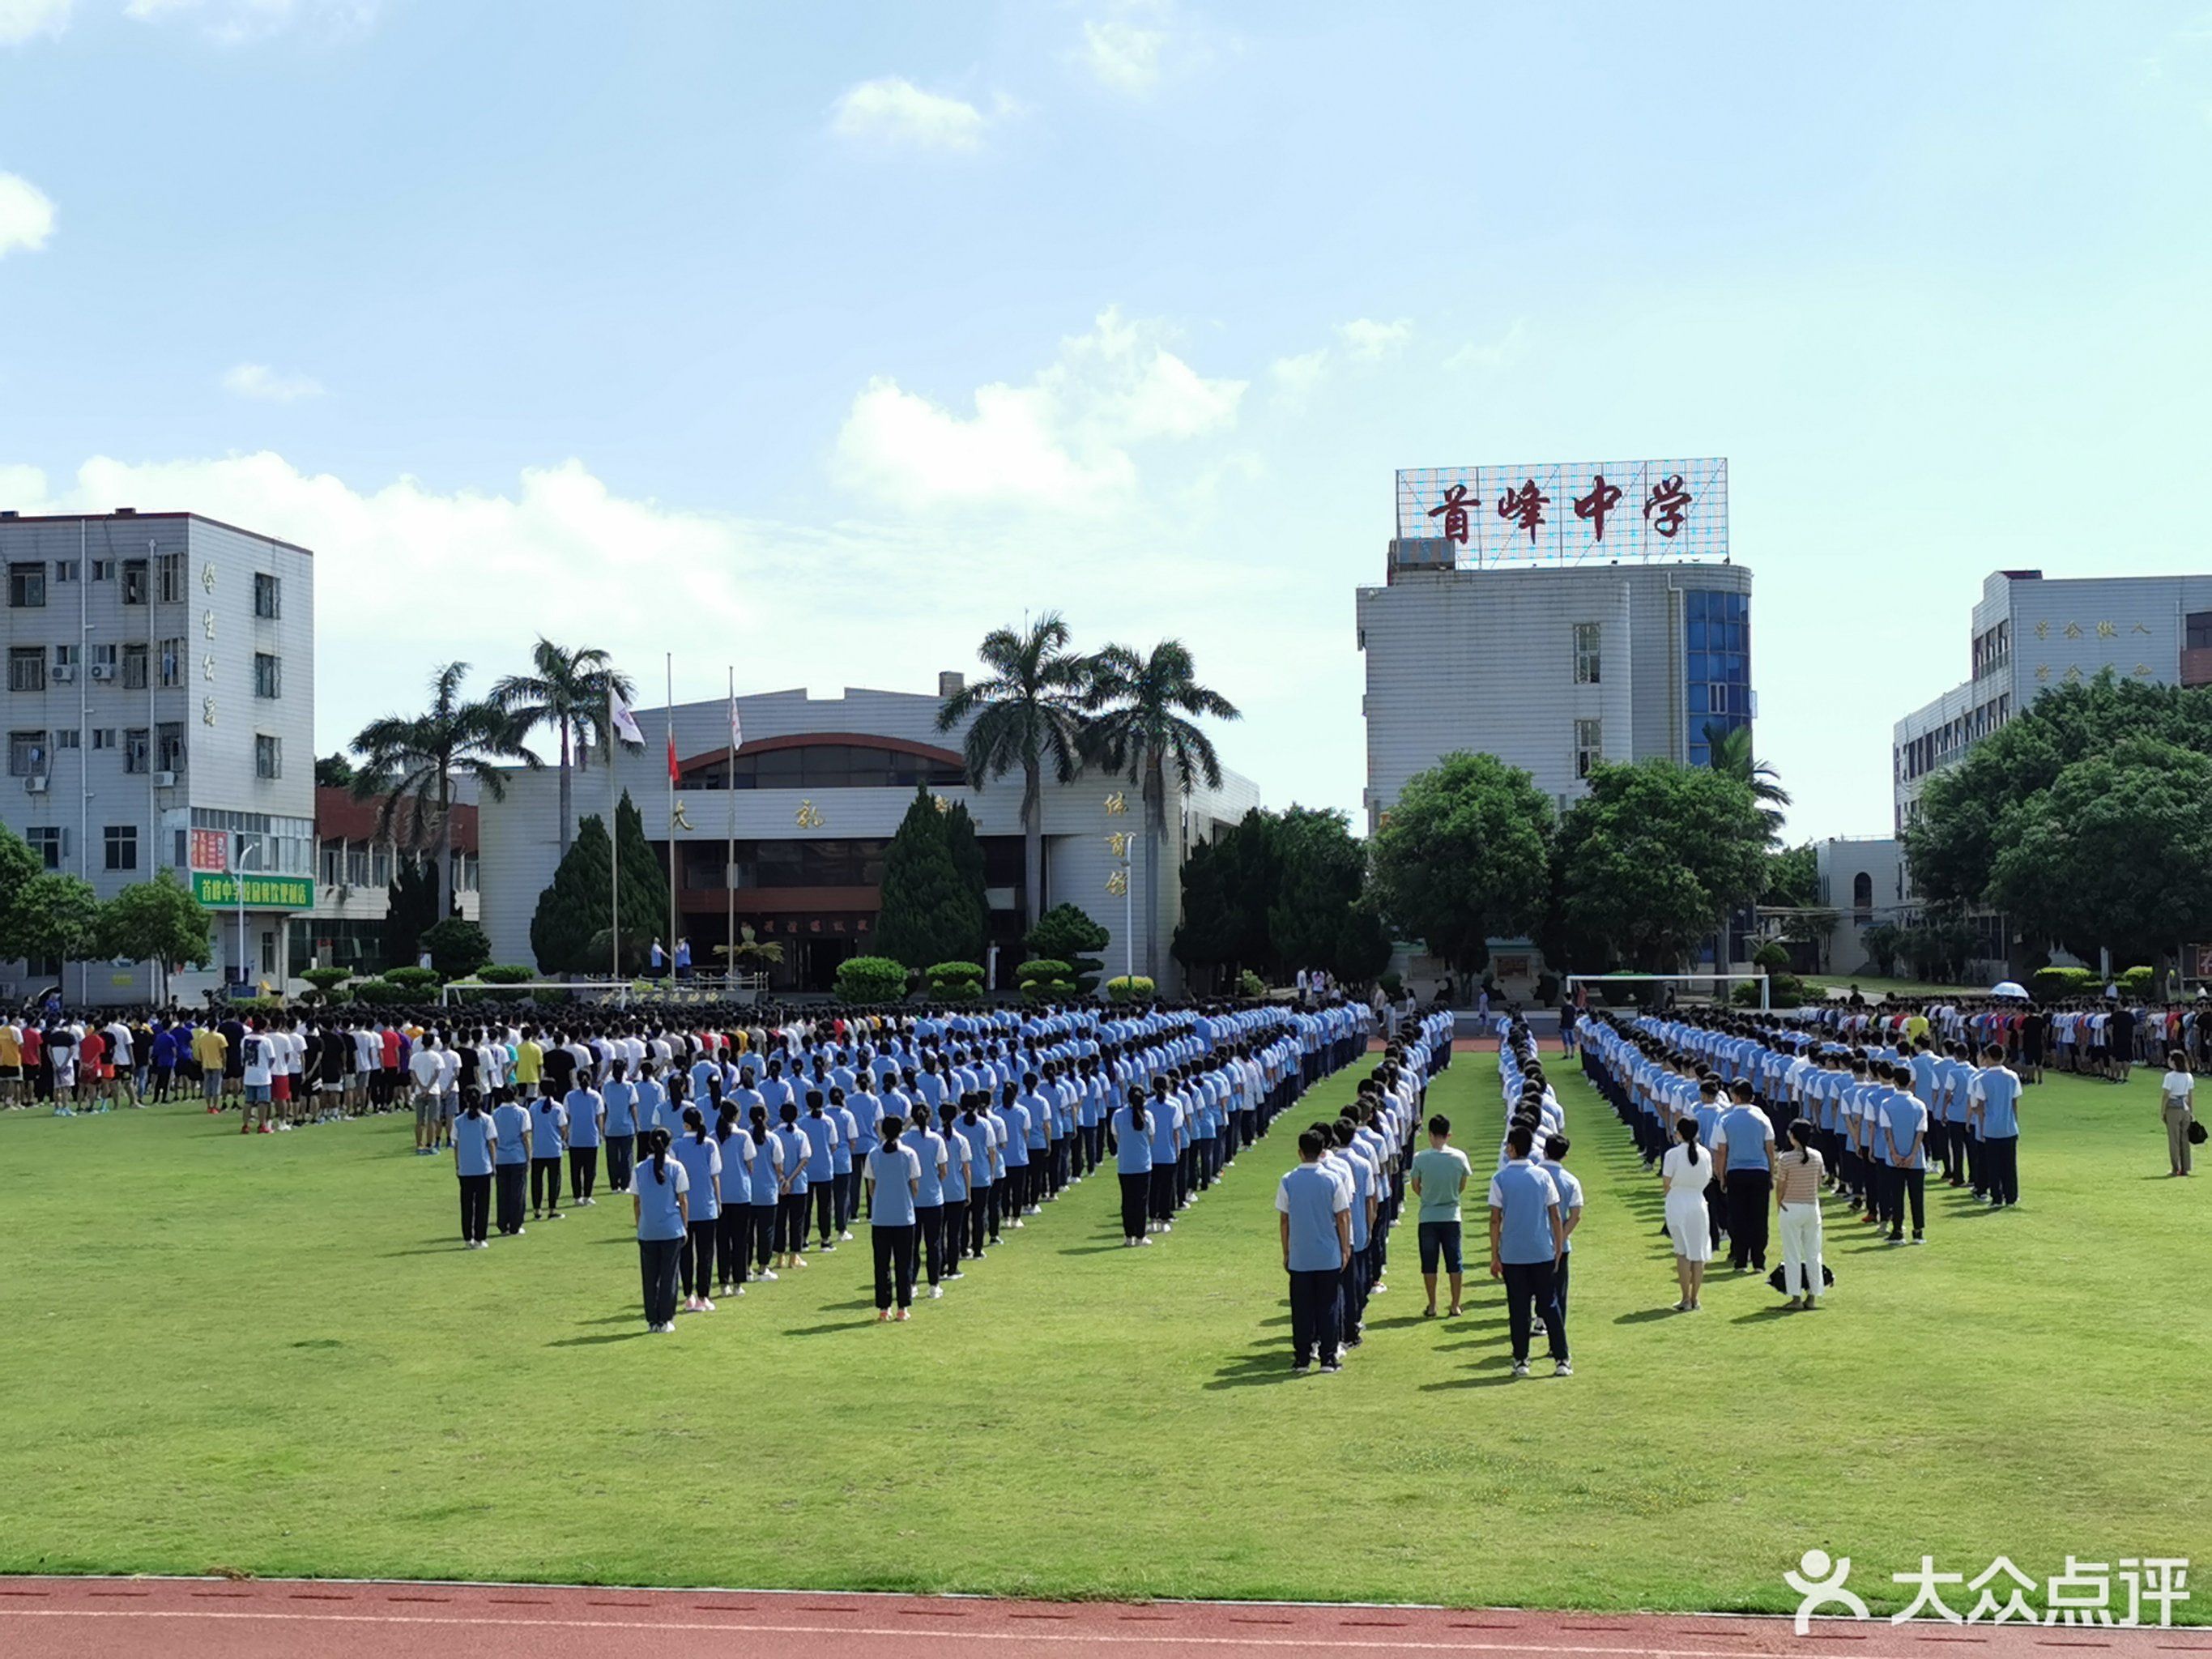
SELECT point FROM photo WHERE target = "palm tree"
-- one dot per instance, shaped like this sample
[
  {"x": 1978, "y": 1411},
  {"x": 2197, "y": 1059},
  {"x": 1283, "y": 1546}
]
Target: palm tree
[
  {"x": 1139, "y": 730},
  {"x": 1029, "y": 714},
  {"x": 411, "y": 760},
  {"x": 1731, "y": 753},
  {"x": 568, "y": 692}
]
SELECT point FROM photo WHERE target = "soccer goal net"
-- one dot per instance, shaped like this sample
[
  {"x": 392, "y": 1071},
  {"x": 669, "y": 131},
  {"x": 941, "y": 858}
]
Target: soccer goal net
[{"x": 1648, "y": 991}]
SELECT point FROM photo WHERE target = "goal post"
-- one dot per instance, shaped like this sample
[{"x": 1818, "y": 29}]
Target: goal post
[{"x": 1647, "y": 990}]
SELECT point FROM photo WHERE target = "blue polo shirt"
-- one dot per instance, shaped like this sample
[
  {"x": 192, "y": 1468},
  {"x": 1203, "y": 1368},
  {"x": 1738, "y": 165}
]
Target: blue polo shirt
[
  {"x": 472, "y": 1140},
  {"x": 1747, "y": 1132},
  {"x": 702, "y": 1161},
  {"x": 1903, "y": 1118},
  {"x": 891, "y": 1168},
  {"x": 508, "y": 1121},
  {"x": 2000, "y": 1102},
  {"x": 1132, "y": 1153},
  {"x": 658, "y": 1217},
  {"x": 583, "y": 1107},
  {"x": 1313, "y": 1199},
  {"x": 1524, "y": 1197}
]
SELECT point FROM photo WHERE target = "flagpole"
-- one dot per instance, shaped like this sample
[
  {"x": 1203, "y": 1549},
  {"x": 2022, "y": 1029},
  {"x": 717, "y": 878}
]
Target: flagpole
[
  {"x": 674, "y": 928},
  {"x": 730, "y": 852},
  {"x": 614, "y": 851}
]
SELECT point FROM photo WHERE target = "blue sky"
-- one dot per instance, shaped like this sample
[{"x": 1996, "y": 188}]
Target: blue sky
[{"x": 820, "y": 339}]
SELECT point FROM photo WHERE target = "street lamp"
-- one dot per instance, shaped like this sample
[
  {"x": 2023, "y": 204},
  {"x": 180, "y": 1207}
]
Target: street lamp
[{"x": 241, "y": 854}]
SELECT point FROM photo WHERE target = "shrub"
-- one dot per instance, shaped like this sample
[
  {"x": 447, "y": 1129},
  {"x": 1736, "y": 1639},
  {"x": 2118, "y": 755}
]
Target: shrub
[
  {"x": 954, "y": 982},
  {"x": 414, "y": 979},
  {"x": 258, "y": 1006},
  {"x": 327, "y": 979},
  {"x": 2138, "y": 981},
  {"x": 1126, "y": 988},
  {"x": 1042, "y": 968},
  {"x": 871, "y": 980},
  {"x": 381, "y": 994},
  {"x": 1250, "y": 985},
  {"x": 1770, "y": 956},
  {"x": 503, "y": 973},
  {"x": 1548, "y": 987},
  {"x": 457, "y": 948},
  {"x": 2056, "y": 984},
  {"x": 1390, "y": 982},
  {"x": 1046, "y": 981}
]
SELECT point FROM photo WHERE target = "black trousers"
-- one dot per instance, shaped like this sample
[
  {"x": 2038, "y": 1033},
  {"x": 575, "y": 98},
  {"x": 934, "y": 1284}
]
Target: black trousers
[
  {"x": 697, "y": 1262},
  {"x": 1560, "y": 1278},
  {"x": 1164, "y": 1190},
  {"x": 1715, "y": 1212},
  {"x": 1012, "y": 1194},
  {"x": 997, "y": 1200},
  {"x": 2000, "y": 1161},
  {"x": 790, "y": 1222},
  {"x": 1532, "y": 1293},
  {"x": 981, "y": 1208},
  {"x": 1094, "y": 1142},
  {"x": 1747, "y": 1193},
  {"x": 1313, "y": 1314},
  {"x": 1954, "y": 1152},
  {"x": 825, "y": 1210},
  {"x": 929, "y": 1223},
  {"x": 1135, "y": 1189},
  {"x": 732, "y": 1233},
  {"x": 894, "y": 1251},
  {"x": 1978, "y": 1164},
  {"x": 849, "y": 1204},
  {"x": 583, "y": 1170},
  {"x": 511, "y": 1179},
  {"x": 545, "y": 1173},
  {"x": 620, "y": 1149},
  {"x": 1908, "y": 1186},
  {"x": 476, "y": 1204},
  {"x": 763, "y": 1225},
  {"x": 956, "y": 1230},
  {"x": 657, "y": 1265}
]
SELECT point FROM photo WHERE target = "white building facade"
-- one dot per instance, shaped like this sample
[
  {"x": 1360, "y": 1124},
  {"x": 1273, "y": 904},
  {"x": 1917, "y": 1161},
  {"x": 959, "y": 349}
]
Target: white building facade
[
  {"x": 818, "y": 789},
  {"x": 161, "y": 715},
  {"x": 2029, "y": 634}
]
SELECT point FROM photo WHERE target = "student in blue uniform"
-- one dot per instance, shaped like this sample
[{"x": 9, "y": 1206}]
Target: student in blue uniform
[
  {"x": 1133, "y": 1162},
  {"x": 659, "y": 1202},
  {"x": 894, "y": 1181},
  {"x": 620, "y": 1098},
  {"x": 703, "y": 1164},
  {"x": 1166, "y": 1117},
  {"x": 957, "y": 1160},
  {"x": 1315, "y": 1212},
  {"x": 928, "y": 1149},
  {"x": 822, "y": 1137},
  {"x": 733, "y": 1226},
  {"x": 1994, "y": 1114},
  {"x": 473, "y": 1137},
  {"x": 1526, "y": 1243},
  {"x": 510, "y": 1160},
  {"x": 790, "y": 1189},
  {"x": 973, "y": 1126},
  {"x": 765, "y": 1189},
  {"x": 549, "y": 1122},
  {"x": 587, "y": 1114}
]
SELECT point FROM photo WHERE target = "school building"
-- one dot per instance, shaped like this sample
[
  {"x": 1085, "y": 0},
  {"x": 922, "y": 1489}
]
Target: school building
[{"x": 787, "y": 836}]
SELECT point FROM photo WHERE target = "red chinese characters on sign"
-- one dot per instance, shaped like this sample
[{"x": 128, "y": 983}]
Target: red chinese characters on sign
[
  {"x": 1525, "y": 507},
  {"x": 1601, "y": 500},
  {"x": 1453, "y": 507},
  {"x": 210, "y": 850},
  {"x": 1668, "y": 506}
]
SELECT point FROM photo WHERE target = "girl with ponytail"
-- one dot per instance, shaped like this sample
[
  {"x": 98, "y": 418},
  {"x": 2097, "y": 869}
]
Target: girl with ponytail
[{"x": 659, "y": 1201}]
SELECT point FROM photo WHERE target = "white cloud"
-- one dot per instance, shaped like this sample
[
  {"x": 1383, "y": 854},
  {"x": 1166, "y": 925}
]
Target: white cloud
[
  {"x": 27, "y": 217},
  {"x": 893, "y": 110},
  {"x": 1065, "y": 436},
  {"x": 1492, "y": 353},
  {"x": 21, "y": 19},
  {"x": 232, "y": 22},
  {"x": 1369, "y": 340},
  {"x": 1122, "y": 55},
  {"x": 260, "y": 381}
]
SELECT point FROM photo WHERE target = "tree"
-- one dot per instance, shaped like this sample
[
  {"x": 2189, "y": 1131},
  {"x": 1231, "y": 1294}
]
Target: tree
[
  {"x": 960, "y": 840},
  {"x": 569, "y": 691},
  {"x": 1138, "y": 730},
  {"x": 1028, "y": 714},
  {"x": 1067, "y": 933},
  {"x": 1228, "y": 885},
  {"x": 19, "y": 867},
  {"x": 2116, "y": 854},
  {"x": 159, "y": 922},
  {"x": 1654, "y": 853},
  {"x": 411, "y": 760},
  {"x": 751, "y": 951},
  {"x": 1362, "y": 945},
  {"x": 457, "y": 948},
  {"x": 1463, "y": 857},
  {"x": 410, "y": 909},
  {"x": 54, "y": 915},
  {"x": 572, "y": 910},
  {"x": 1793, "y": 878},
  {"x": 1731, "y": 753},
  {"x": 929, "y": 913},
  {"x": 645, "y": 916},
  {"x": 334, "y": 772},
  {"x": 1323, "y": 872}
]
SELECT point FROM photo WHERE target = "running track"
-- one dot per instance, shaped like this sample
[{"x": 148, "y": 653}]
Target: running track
[{"x": 201, "y": 1618}]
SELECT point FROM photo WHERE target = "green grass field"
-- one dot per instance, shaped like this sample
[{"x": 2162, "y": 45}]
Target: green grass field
[{"x": 270, "y": 1355}]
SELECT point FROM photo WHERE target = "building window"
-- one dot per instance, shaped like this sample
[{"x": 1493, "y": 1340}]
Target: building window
[
  {"x": 332, "y": 862},
  {"x": 26, "y": 586},
  {"x": 103, "y": 570},
  {"x": 1862, "y": 897},
  {"x": 66, "y": 738},
  {"x": 64, "y": 658},
  {"x": 65, "y": 570},
  {"x": 103, "y": 662},
  {"x": 47, "y": 841},
  {"x": 2196, "y": 631},
  {"x": 137, "y": 749},
  {"x": 172, "y": 578},
  {"x": 380, "y": 864},
  {"x": 1586, "y": 654},
  {"x": 357, "y": 866},
  {"x": 268, "y": 755},
  {"x": 172, "y": 664},
  {"x": 27, "y": 668},
  {"x": 1589, "y": 745},
  {"x": 26, "y": 754},
  {"x": 1716, "y": 668},
  {"x": 134, "y": 668},
  {"x": 268, "y": 596},
  {"x": 122, "y": 846},
  {"x": 268, "y": 675},
  {"x": 103, "y": 737},
  {"x": 169, "y": 749},
  {"x": 134, "y": 581}
]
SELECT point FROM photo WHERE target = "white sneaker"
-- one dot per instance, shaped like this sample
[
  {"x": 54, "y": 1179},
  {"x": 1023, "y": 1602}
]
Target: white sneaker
[
  {"x": 937, "y": 1292},
  {"x": 847, "y": 1238},
  {"x": 705, "y": 1305},
  {"x": 1563, "y": 1369},
  {"x": 767, "y": 1273}
]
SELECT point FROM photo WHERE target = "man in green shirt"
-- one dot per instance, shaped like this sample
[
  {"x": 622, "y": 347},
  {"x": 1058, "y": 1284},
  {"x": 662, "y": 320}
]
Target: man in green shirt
[{"x": 1440, "y": 1175}]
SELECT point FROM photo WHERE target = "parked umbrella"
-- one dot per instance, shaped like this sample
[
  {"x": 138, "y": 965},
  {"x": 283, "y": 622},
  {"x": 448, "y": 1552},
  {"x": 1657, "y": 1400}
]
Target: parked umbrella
[{"x": 2010, "y": 988}]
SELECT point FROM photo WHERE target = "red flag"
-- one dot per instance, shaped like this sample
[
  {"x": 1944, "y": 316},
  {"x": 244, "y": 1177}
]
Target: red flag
[{"x": 675, "y": 772}]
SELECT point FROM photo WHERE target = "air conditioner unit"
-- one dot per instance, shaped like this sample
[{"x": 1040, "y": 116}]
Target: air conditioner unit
[
  {"x": 65, "y": 674},
  {"x": 164, "y": 779},
  {"x": 103, "y": 671},
  {"x": 36, "y": 786}
]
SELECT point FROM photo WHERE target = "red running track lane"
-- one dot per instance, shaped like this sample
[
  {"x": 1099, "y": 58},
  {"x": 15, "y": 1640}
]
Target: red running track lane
[{"x": 203, "y": 1618}]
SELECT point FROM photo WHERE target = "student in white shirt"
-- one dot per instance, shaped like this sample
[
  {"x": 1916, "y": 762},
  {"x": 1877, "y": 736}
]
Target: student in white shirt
[{"x": 2177, "y": 1099}]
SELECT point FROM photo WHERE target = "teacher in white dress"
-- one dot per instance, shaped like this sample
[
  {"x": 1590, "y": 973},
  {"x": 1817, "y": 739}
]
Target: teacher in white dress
[{"x": 1684, "y": 1173}]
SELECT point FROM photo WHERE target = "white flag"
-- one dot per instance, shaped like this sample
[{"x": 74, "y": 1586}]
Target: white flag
[
  {"x": 624, "y": 722},
  {"x": 737, "y": 728}
]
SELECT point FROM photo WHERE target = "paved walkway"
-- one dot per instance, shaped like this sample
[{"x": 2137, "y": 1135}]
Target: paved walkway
[{"x": 189, "y": 1619}]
